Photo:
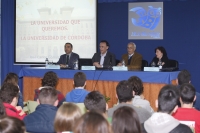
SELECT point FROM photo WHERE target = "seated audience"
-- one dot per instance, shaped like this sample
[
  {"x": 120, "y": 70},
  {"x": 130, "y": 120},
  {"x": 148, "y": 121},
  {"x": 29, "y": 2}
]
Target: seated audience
[
  {"x": 13, "y": 78},
  {"x": 138, "y": 99},
  {"x": 50, "y": 79},
  {"x": 125, "y": 120},
  {"x": 92, "y": 122},
  {"x": 186, "y": 114},
  {"x": 125, "y": 94},
  {"x": 11, "y": 125},
  {"x": 66, "y": 116},
  {"x": 78, "y": 94},
  {"x": 9, "y": 94},
  {"x": 160, "y": 58},
  {"x": 184, "y": 76},
  {"x": 42, "y": 120},
  {"x": 132, "y": 59},
  {"x": 162, "y": 121}
]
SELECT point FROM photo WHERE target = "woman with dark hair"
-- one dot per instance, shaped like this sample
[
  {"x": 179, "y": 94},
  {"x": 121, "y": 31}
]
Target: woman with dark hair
[
  {"x": 92, "y": 122},
  {"x": 50, "y": 79},
  {"x": 161, "y": 58},
  {"x": 13, "y": 78},
  {"x": 126, "y": 120},
  {"x": 11, "y": 125}
]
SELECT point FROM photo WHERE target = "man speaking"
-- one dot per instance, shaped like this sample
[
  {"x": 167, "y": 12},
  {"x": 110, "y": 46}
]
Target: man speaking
[
  {"x": 103, "y": 58},
  {"x": 68, "y": 60}
]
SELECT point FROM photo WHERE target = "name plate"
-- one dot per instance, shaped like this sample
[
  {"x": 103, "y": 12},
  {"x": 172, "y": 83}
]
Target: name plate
[
  {"x": 88, "y": 68},
  {"x": 154, "y": 69},
  {"x": 119, "y": 68},
  {"x": 53, "y": 67}
]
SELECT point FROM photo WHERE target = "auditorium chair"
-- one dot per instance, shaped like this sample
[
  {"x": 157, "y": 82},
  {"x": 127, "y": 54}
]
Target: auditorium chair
[
  {"x": 144, "y": 64},
  {"x": 174, "y": 63}
]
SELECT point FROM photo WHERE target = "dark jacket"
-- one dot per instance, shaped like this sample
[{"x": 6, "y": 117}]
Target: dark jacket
[
  {"x": 42, "y": 120},
  {"x": 73, "y": 58},
  {"x": 163, "y": 59}
]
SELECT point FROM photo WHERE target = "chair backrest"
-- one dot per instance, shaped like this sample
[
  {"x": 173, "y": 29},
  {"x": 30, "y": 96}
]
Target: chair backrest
[
  {"x": 144, "y": 64},
  {"x": 31, "y": 105},
  {"x": 173, "y": 63},
  {"x": 81, "y": 107}
]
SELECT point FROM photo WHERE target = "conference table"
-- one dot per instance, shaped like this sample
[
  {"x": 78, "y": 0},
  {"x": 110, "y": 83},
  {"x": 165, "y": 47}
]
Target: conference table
[{"x": 100, "y": 80}]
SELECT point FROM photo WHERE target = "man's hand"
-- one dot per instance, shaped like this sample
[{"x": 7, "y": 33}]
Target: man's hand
[
  {"x": 96, "y": 64},
  {"x": 119, "y": 64},
  {"x": 63, "y": 66}
]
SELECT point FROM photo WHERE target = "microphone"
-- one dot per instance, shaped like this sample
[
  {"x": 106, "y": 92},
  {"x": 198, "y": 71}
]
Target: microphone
[{"x": 110, "y": 62}]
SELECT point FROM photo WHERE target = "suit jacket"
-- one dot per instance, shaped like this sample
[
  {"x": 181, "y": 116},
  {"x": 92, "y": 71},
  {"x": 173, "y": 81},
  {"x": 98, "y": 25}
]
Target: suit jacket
[
  {"x": 136, "y": 61},
  {"x": 109, "y": 59},
  {"x": 74, "y": 57}
]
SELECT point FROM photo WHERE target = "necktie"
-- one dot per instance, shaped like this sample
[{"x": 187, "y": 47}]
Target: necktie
[
  {"x": 129, "y": 60},
  {"x": 67, "y": 61}
]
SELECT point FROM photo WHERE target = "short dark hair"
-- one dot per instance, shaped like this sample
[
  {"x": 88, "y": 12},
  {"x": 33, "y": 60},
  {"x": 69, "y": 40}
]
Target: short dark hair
[
  {"x": 2, "y": 109},
  {"x": 168, "y": 98},
  {"x": 8, "y": 92},
  {"x": 50, "y": 79},
  {"x": 11, "y": 78},
  {"x": 184, "y": 77},
  {"x": 107, "y": 44},
  {"x": 11, "y": 125},
  {"x": 162, "y": 50},
  {"x": 124, "y": 91},
  {"x": 125, "y": 120},
  {"x": 95, "y": 101},
  {"x": 69, "y": 44},
  {"x": 79, "y": 79},
  {"x": 187, "y": 93},
  {"x": 136, "y": 84},
  {"x": 48, "y": 95}
]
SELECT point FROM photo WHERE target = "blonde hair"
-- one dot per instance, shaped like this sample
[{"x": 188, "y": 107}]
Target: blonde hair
[{"x": 66, "y": 116}]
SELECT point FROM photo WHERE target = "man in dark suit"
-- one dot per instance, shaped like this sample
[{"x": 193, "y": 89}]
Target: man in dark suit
[
  {"x": 68, "y": 59},
  {"x": 103, "y": 58},
  {"x": 132, "y": 59}
]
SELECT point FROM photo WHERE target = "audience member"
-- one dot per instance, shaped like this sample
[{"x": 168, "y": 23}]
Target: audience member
[
  {"x": 13, "y": 78},
  {"x": 104, "y": 58},
  {"x": 125, "y": 94},
  {"x": 160, "y": 58},
  {"x": 132, "y": 59},
  {"x": 66, "y": 116},
  {"x": 184, "y": 76},
  {"x": 138, "y": 100},
  {"x": 78, "y": 94},
  {"x": 11, "y": 125},
  {"x": 50, "y": 79},
  {"x": 68, "y": 59},
  {"x": 187, "y": 114},
  {"x": 2, "y": 110},
  {"x": 126, "y": 120},
  {"x": 92, "y": 122},
  {"x": 42, "y": 120},
  {"x": 162, "y": 121},
  {"x": 9, "y": 94}
]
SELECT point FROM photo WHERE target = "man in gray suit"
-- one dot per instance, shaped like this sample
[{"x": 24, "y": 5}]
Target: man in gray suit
[
  {"x": 104, "y": 58},
  {"x": 68, "y": 59}
]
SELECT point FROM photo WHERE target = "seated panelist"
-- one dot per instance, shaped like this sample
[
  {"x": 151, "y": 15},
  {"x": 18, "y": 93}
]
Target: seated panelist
[
  {"x": 103, "y": 58},
  {"x": 160, "y": 58},
  {"x": 132, "y": 59},
  {"x": 68, "y": 59}
]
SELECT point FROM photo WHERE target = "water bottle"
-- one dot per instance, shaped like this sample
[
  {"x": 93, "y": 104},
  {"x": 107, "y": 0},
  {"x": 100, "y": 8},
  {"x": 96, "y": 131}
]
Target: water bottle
[
  {"x": 76, "y": 65},
  {"x": 153, "y": 64},
  {"x": 160, "y": 64},
  {"x": 123, "y": 63},
  {"x": 46, "y": 62}
]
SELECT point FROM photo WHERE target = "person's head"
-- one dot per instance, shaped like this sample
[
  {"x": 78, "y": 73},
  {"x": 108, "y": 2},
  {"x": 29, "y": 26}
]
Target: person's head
[
  {"x": 168, "y": 99},
  {"x": 125, "y": 120},
  {"x": 183, "y": 77},
  {"x": 66, "y": 116},
  {"x": 50, "y": 79},
  {"x": 11, "y": 125},
  {"x": 79, "y": 79},
  {"x": 48, "y": 95},
  {"x": 136, "y": 84},
  {"x": 95, "y": 101},
  {"x": 104, "y": 45},
  {"x": 92, "y": 122},
  {"x": 11, "y": 78},
  {"x": 160, "y": 52},
  {"x": 9, "y": 93},
  {"x": 2, "y": 109},
  {"x": 187, "y": 93},
  {"x": 68, "y": 48},
  {"x": 124, "y": 91},
  {"x": 131, "y": 47}
]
